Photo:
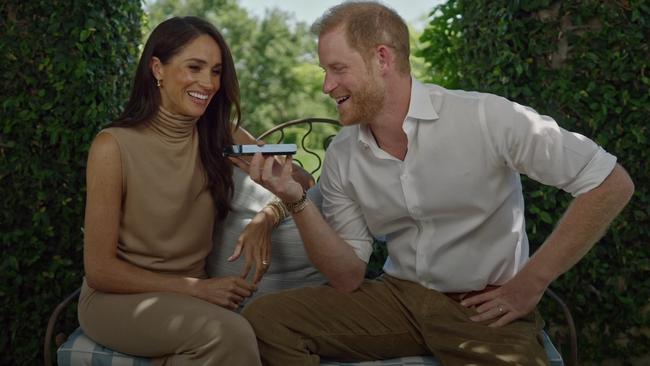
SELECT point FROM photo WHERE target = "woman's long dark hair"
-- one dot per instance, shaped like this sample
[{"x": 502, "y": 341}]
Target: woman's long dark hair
[{"x": 214, "y": 126}]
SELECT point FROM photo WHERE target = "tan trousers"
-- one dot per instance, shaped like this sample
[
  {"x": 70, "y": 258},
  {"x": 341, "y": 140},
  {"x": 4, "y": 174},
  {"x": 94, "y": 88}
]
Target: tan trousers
[
  {"x": 385, "y": 318},
  {"x": 172, "y": 329}
]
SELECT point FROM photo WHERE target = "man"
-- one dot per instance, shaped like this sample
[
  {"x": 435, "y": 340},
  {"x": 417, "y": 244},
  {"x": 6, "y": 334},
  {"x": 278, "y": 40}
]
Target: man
[{"x": 437, "y": 173}]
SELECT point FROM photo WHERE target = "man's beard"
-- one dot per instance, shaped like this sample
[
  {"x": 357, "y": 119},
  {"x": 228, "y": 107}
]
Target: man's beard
[{"x": 367, "y": 102}]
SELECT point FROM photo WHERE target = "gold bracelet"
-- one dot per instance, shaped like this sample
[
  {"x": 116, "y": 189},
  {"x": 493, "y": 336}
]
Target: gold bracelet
[
  {"x": 279, "y": 210},
  {"x": 299, "y": 205},
  {"x": 276, "y": 215},
  {"x": 284, "y": 213}
]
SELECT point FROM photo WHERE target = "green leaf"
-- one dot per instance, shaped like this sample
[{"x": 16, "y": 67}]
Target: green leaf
[{"x": 84, "y": 35}]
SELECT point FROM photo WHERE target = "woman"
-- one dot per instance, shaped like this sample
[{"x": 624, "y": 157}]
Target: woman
[{"x": 155, "y": 182}]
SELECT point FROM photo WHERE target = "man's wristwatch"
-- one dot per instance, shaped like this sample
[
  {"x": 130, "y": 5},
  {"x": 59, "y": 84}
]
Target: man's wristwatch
[{"x": 297, "y": 206}]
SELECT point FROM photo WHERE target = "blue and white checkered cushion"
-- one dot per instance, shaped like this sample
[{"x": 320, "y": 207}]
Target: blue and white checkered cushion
[{"x": 79, "y": 350}]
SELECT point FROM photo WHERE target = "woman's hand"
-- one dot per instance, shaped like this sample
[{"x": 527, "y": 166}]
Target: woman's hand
[
  {"x": 255, "y": 243},
  {"x": 227, "y": 292}
]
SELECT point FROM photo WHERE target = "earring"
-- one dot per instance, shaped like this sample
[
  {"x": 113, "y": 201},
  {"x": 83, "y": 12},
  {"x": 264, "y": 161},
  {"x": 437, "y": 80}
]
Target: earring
[{"x": 158, "y": 83}]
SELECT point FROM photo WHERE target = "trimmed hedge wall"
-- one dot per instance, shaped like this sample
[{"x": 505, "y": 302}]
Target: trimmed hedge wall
[
  {"x": 585, "y": 64},
  {"x": 65, "y": 70}
]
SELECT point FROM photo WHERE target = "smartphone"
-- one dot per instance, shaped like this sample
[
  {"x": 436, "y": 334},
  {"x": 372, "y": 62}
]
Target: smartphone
[{"x": 268, "y": 149}]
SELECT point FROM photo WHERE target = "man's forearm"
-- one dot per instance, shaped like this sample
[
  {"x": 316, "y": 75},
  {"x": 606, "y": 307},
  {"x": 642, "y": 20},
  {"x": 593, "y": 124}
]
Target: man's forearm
[
  {"x": 581, "y": 226},
  {"x": 328, "y": 252}
]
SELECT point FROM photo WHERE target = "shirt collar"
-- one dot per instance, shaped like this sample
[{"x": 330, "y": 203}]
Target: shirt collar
[
  {"x": 421, "y": 105},
  {"x": 365, "y": 136}
]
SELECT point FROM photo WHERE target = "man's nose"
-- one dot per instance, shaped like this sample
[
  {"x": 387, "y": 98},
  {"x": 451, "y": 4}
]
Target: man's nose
[{"x": 328, "y": 84}]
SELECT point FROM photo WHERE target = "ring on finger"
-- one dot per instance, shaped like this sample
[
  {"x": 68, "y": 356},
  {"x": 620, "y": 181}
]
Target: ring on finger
[
  {"x": 500, "y": 308},
  {"x": 265, "y": 263}
]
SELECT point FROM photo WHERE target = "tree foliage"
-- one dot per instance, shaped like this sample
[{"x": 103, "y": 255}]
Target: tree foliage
[
  {"x": 585, "y": 64},
  {"x": 65, "y": 69}
]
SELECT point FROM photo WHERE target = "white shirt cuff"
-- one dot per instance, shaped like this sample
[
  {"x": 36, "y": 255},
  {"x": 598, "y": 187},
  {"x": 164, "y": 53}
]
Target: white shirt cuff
[{"x": 599, "y": 168}]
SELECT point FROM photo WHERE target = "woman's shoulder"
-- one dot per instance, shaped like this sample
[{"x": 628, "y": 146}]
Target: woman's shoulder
[
  {"x": 105, "y": 139},
  {"x": 104, "y": 149},
  {"x": 118, "y": 132},
  {"x": 125, "y": 136}
]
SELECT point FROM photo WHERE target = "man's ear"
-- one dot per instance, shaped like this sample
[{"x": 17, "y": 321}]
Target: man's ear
[
  {"x": 157, "y": 68},
  {"x": 385, "y": 58}
]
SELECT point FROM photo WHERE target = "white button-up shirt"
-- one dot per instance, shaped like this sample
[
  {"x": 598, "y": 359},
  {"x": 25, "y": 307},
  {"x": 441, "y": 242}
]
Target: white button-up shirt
[{"x": 453, "y": 211}]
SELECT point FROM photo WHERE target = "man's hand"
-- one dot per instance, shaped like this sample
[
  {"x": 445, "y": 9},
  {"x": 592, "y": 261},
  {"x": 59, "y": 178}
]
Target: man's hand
[
  {"x": 282, "y": 184},
  {"x": 507, "y": 303},
  {"x": 303, "y": 177}
]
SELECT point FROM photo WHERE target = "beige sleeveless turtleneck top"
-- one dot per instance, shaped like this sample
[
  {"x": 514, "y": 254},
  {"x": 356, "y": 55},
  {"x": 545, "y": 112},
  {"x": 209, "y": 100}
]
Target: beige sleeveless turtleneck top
[{"x": 167, "y": 214}]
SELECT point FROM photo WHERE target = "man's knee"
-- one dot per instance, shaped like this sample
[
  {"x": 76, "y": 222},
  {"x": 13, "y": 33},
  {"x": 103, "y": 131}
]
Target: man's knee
[{"x": 262, "y": 313}]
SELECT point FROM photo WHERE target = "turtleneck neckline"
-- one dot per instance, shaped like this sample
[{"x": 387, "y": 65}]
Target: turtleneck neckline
[{"x": 173, "y": 126}]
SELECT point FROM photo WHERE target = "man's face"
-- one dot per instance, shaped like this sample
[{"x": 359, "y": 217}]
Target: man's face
[{"x": 353, "y": 84}]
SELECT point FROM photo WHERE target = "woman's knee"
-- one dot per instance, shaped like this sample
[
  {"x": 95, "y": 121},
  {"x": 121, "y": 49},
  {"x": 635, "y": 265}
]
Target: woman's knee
[
  {"x": 229, "y": 328},
  {"x": 225, "y": 336}
]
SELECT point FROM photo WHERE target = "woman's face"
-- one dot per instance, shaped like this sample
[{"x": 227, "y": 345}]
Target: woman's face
[{"x": 191, "y": 78}]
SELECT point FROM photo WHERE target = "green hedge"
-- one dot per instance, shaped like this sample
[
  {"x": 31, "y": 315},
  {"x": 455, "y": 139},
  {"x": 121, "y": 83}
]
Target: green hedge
[
  {"x": 585, "y": 64},
  {"x": 65, "y": 70}
]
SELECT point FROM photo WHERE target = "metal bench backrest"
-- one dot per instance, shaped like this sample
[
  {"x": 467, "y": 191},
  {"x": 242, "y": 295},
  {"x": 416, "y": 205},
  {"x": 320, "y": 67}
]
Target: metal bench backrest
[{"x": 310, "y": 142}]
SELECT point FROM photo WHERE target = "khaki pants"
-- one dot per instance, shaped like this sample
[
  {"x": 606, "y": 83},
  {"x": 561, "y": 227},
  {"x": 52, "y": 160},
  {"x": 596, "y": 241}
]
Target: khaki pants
[
  {"x": 172, "y": 329},
  {"x": 385, "y": 318}
]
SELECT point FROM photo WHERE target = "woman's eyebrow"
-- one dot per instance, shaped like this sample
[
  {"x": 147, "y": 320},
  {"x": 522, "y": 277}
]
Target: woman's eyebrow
[
  {"x": 198, "y": 60},
  {"x": 201, "y": 61}
]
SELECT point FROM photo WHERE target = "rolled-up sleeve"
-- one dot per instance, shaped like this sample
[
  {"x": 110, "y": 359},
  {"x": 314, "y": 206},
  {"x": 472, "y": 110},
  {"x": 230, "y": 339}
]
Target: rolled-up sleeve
[
  {"x": 342, "y": 212},
  {"x": 535, "y": 145}
]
